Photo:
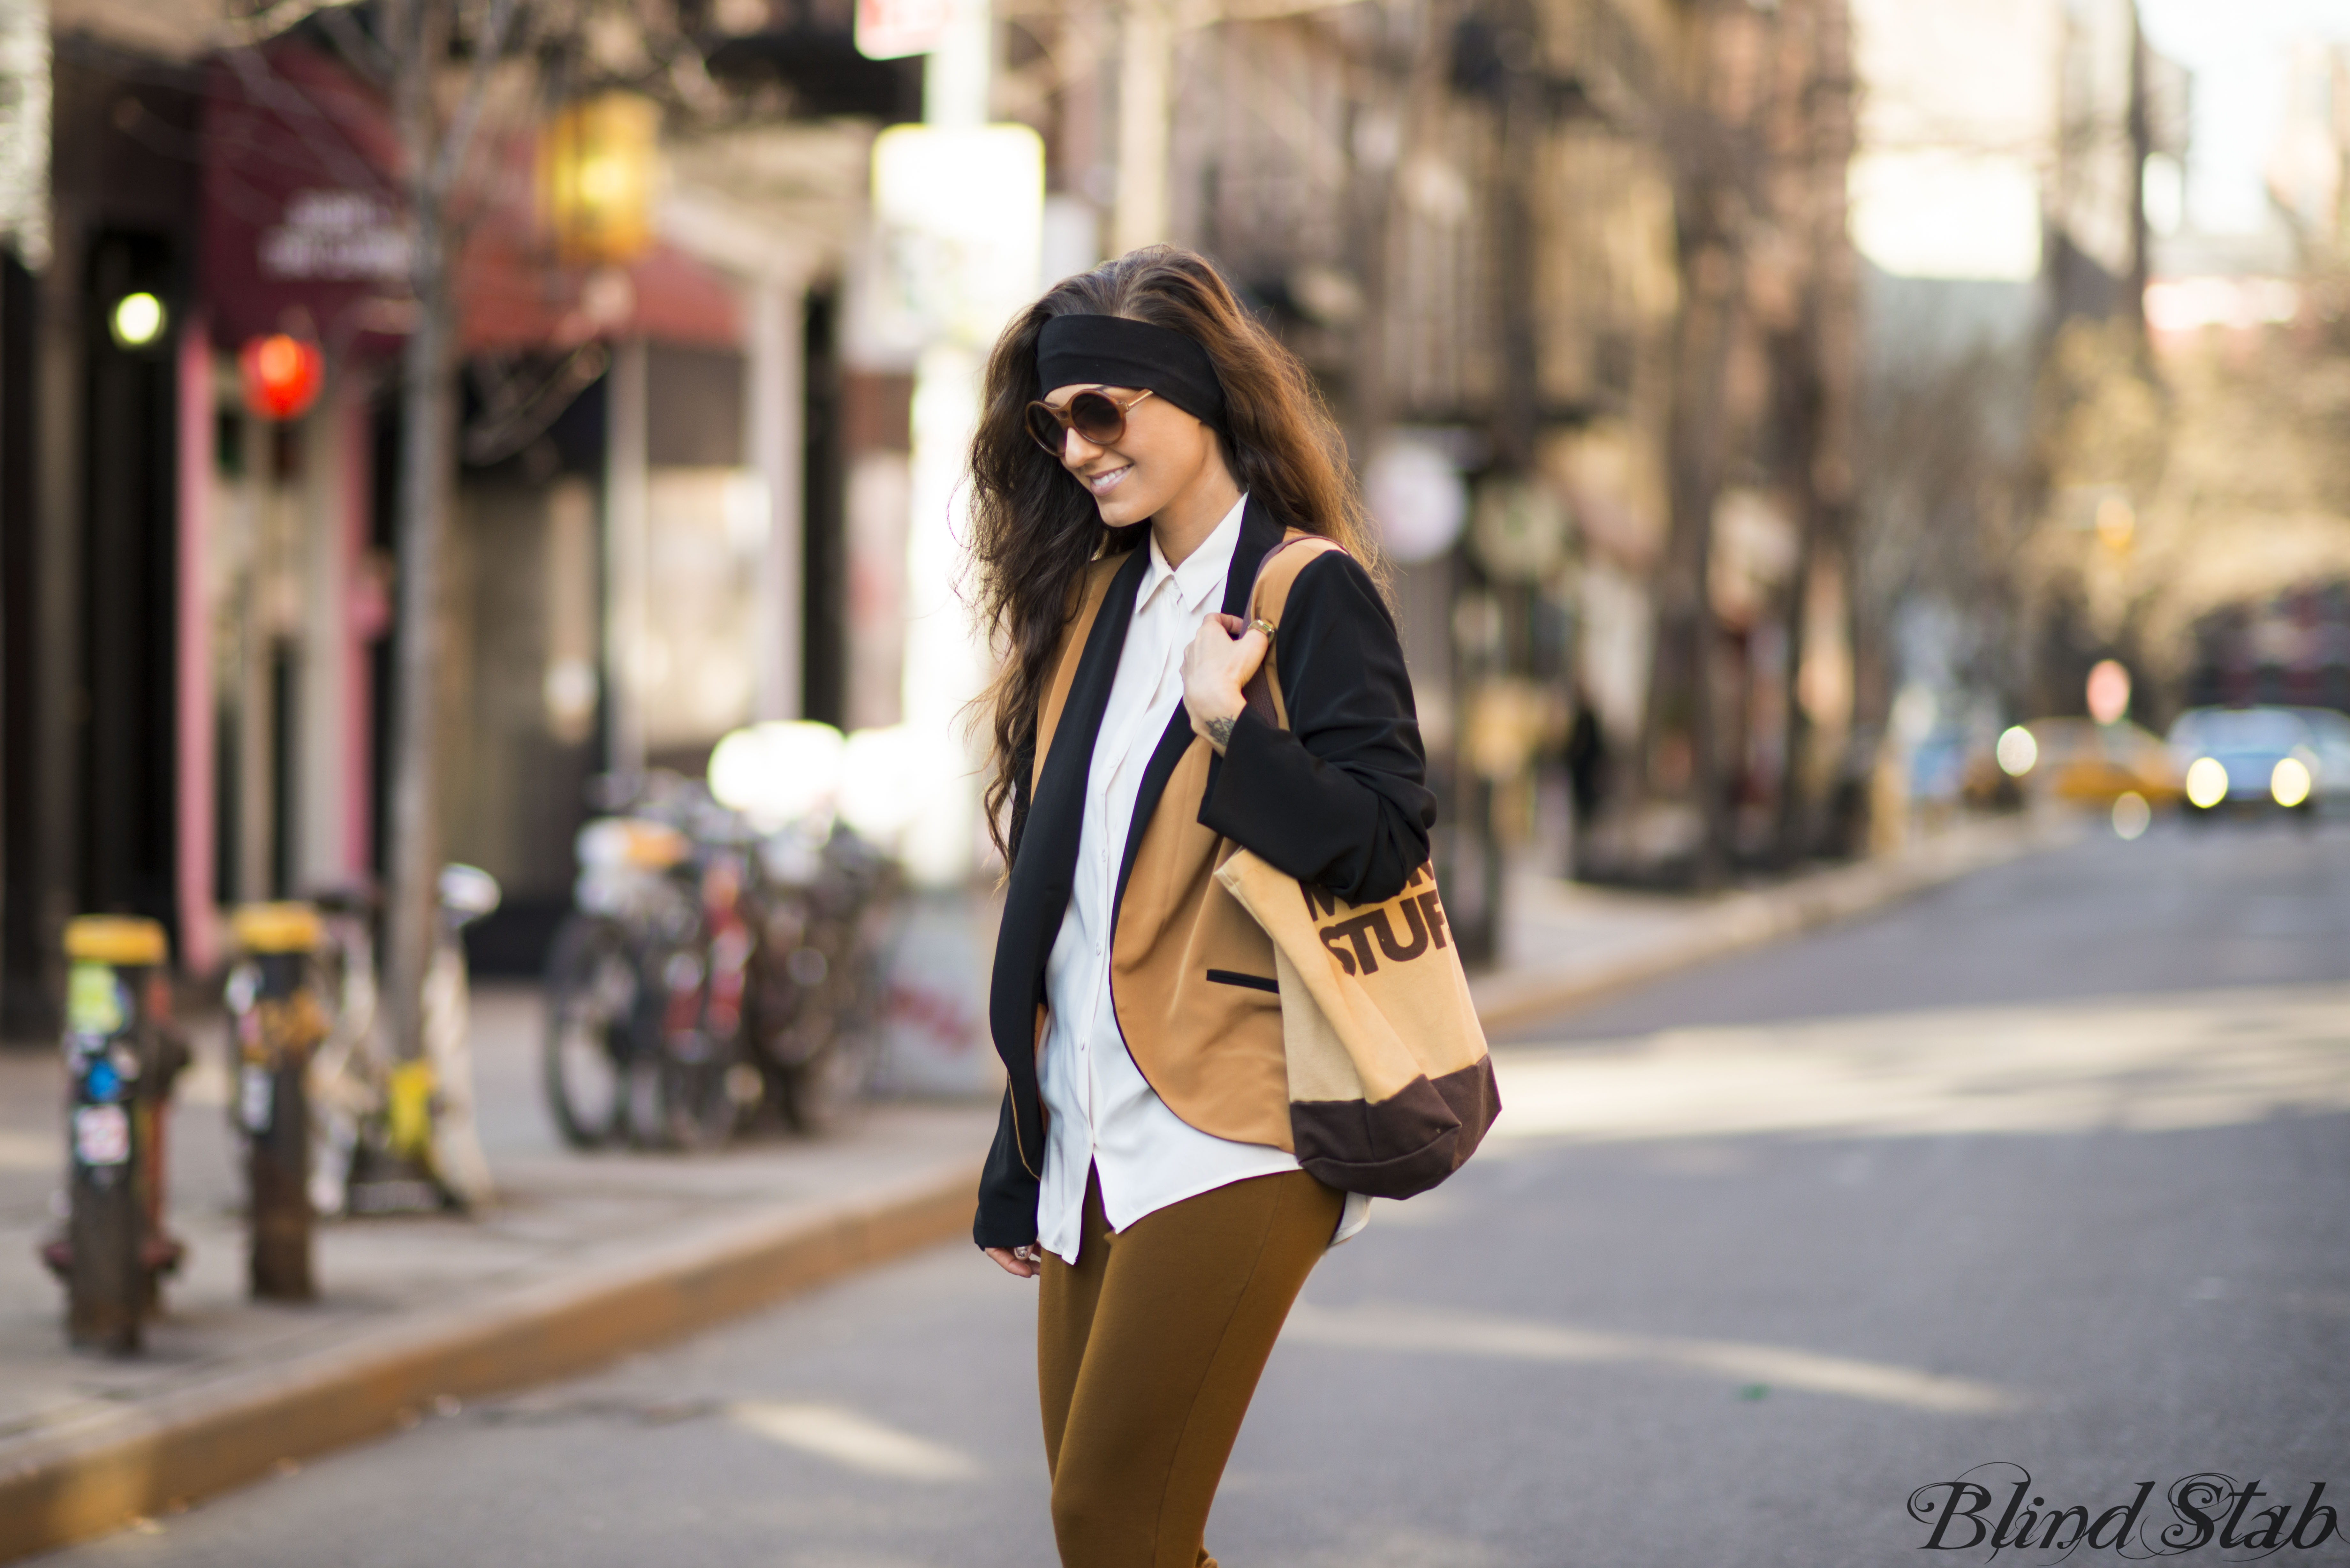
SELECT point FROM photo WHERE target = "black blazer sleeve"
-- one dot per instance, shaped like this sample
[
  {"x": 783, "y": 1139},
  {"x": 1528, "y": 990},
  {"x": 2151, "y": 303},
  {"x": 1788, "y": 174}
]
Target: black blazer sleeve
[
  {"x": 1007, "y": 1193},
  {"x": 1340, "y": 797}
]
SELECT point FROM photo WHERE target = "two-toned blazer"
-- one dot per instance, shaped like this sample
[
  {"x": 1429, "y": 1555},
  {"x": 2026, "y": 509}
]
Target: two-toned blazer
[{"x": 1339, "y": 798}]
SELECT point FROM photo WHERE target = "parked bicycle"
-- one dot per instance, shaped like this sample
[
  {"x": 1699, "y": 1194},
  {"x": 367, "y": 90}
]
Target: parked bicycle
[
  {"x": 825, "y": 907},
  {"x": 715, "y": 965},
  {"x": 643, "y": 982}
]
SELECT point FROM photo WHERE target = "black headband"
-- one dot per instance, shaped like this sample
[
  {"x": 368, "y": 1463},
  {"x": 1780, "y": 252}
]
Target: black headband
[{"x": 1112, "y": 351}]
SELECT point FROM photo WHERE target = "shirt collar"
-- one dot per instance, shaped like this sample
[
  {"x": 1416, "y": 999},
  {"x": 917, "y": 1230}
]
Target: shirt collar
[{"x": 1203, "y": 571}]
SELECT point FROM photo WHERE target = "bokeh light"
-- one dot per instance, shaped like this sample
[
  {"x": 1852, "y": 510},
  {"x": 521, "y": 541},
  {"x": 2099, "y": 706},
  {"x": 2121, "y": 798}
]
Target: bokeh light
[
  {"x": 2109, "y": 692},
  {"x": 2132, "y": 816},
  {"x": 2290, "y": 781},
  {"x": 282, "y": 374},
  {"x": 2017, "y": 751},
  {"x": 2207, "y": 781},
  {"x": 885, "y": 776},
  {"x": 777, "y": 773},
  {"x": 137, "y": 321}
]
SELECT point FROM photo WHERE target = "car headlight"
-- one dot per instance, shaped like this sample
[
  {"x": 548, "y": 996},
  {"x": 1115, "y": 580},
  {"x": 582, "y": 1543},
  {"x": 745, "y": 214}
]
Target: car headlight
[
  {"x": 2207, "y": 781},
  {"x": 2017, "y": 751},
  {"x": 2288, "y": 780}
]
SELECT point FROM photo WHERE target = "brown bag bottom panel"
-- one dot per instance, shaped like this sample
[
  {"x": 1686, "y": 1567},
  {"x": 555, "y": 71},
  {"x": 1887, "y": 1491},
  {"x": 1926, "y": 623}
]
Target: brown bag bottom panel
[{"x": 1404, "y": 1144}]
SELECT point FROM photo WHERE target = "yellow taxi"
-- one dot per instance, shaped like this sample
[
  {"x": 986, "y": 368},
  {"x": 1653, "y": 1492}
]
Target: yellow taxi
[{"x": 2085, "y": 763}]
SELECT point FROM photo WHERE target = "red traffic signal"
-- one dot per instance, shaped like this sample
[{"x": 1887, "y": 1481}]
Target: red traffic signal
[{"x": 282, "y": 374}]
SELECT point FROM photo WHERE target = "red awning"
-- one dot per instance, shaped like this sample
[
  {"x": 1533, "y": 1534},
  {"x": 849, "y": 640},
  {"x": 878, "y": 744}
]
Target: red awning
[{"x": 304, "y": 230}]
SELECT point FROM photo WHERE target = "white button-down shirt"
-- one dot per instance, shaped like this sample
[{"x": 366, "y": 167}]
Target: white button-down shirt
[{"x": 1104, "y": 1114}]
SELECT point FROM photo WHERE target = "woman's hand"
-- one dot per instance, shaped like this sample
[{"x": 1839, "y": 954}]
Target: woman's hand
[
  {"x": 1018, "y": 1261},
  {"x": 1215, "y": 666}
]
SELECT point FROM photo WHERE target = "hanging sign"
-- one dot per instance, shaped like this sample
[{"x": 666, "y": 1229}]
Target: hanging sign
[
  {"x": 888, "y": 29},
  {"x": 336, "y": 235}
]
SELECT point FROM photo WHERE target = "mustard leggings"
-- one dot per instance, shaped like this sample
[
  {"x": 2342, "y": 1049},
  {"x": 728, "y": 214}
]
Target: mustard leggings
[{"x": 1147, "y": 1350}]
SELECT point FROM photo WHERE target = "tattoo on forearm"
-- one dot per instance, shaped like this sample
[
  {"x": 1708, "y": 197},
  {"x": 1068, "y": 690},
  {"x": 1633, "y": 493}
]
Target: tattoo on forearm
[{"x": 1219, "y": 732}]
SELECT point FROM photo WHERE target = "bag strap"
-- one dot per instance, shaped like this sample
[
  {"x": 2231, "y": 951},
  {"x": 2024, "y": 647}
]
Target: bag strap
[{"x": 1267, "y": 601}]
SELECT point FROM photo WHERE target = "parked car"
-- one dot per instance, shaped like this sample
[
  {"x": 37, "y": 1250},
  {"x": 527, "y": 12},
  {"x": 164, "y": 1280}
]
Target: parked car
[
  {"x": 2252, "y": 761},
  {"x": 2329, "y": 737},
  {"x": 2083, "y": 762}
]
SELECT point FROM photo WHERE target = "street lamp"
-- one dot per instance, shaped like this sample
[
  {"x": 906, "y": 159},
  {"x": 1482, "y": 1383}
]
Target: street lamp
[
  {"x": 136, "y": 320},
  {"x": 597, "y": 162}
]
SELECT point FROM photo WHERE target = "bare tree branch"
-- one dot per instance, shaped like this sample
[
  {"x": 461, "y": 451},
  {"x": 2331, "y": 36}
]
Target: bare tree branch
[
  {"x": 359, "y": 52},
  {"x": 451, "y": 156}
]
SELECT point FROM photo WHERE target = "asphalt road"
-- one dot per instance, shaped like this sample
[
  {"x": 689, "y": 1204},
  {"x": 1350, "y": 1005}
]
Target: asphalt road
[{"x": 2044, "y": 1170}]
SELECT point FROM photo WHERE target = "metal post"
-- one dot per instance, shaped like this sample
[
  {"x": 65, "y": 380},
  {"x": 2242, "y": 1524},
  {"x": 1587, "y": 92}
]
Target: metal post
[
  {"x": 321, "y": 836},
  {"x": 777, "y": 430},
  {"x": 625, "y": 544},
  {"x": 279, "y": 1023},
  {"x": 1145, "y": 93},
  {"x": 121, "y": 1056},
  {"x": 195, "y": 874}
]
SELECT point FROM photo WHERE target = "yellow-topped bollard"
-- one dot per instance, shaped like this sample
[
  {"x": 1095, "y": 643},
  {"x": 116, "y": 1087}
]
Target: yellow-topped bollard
[
  {"x": 122, "y": 942},
  {"x": 286, "y": 927},
  {"x": 273, "y": 1008},
  {"x": 121, "y": 1054}
]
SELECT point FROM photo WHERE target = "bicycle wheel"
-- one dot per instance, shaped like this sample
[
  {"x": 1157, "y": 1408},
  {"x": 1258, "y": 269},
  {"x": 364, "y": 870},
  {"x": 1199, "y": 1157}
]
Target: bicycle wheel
[
  {"x": 823, "y": 1091},
  {"x": 592, "y": 988},
  {"x": 698, "y": 1105},
  {"x": 678, "y": 1093}
]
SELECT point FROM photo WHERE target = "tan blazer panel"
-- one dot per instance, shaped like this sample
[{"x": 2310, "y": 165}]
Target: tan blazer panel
[{"x": 1211, "y": 1049}]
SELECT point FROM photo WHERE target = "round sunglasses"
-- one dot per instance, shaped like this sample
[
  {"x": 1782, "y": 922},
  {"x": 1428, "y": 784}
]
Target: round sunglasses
[{"x": 1096, "y": 416}]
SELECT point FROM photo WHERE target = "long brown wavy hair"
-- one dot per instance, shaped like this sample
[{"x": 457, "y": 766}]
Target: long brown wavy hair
[{"x": 1035, "y": 528}]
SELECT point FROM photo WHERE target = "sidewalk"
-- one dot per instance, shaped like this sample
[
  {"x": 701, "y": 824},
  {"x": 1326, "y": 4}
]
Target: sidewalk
[
  {"x": 1564, "y": 944},
  {"x": 587, "y": 1258},
  {"x": 582, "y": 1259}
]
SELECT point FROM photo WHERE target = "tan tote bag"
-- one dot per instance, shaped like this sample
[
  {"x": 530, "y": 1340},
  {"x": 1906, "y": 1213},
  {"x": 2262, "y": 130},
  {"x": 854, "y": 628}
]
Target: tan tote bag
[{"x": 1390, "y": 1085}]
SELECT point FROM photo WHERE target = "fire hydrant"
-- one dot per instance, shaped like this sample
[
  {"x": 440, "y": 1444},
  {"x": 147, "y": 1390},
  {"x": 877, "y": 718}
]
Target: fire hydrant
[
  {"x": 273, "y": 1008},
  {"x": 121, "y": 1054}
]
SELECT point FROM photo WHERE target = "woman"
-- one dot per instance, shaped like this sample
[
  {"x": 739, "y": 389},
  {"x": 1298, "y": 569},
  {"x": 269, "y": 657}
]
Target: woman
[{"x": 1144, "y": 446}]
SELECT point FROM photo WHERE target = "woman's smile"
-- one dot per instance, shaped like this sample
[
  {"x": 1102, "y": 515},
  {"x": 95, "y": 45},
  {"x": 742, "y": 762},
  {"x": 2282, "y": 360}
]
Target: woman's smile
[{"x": 1163, "y": 466}]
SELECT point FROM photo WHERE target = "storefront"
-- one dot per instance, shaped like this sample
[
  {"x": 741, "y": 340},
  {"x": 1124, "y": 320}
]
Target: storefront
[{"x": 649, "y": 501}]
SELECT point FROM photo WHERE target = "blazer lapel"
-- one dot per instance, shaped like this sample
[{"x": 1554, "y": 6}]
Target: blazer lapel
[
  {"x": 1037, "y": 893},
  {"x": 1259, "y": 534}
]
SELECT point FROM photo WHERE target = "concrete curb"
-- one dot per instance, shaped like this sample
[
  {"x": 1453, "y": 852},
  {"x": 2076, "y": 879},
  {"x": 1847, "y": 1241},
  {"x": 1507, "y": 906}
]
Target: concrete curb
[
  {"x": 1507, "y": 1000},
  {"x": 60, "y": 1487},
  {"x": 63, "y": 1487}
]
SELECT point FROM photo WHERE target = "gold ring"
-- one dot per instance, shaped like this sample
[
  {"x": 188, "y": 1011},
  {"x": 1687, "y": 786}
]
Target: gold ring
[{"x": 1262, "y": 624}]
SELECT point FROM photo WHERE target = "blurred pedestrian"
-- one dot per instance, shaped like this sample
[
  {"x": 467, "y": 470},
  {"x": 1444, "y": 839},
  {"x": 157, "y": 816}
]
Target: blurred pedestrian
[
  {"x": 1586, "y": 755},
  {"x": 1145, "y": 445}
]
